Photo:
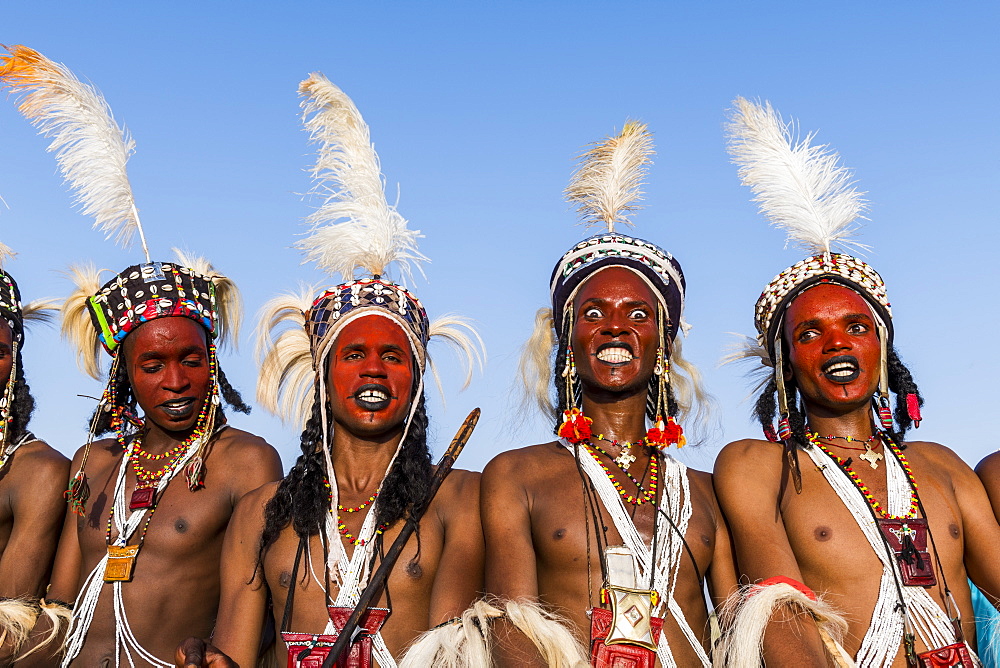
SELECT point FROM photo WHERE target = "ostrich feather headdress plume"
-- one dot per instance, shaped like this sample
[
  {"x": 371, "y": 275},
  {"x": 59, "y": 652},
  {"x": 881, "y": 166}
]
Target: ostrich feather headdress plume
[
  {"x": 355, "y": 227},
  {"x": 228, "y": 301},
  {"x": 801, "y": 188},
  {"x": 608, "y": 183},
  {"x": 354, "y": 231},
  {"x": 91, "y": 149}
]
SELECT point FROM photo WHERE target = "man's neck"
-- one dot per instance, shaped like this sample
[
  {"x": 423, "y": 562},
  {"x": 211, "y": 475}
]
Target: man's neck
[
  {"x": 856, "y": 423},
  {"x": 617, "y": 418},
  {"x": 361, "y": 463},
  {"x": 157, "y": 440}
]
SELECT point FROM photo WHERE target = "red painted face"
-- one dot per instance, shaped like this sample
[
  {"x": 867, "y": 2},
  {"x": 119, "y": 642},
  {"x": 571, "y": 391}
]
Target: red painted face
[
  {"x": 614, "y": 331},
  {"x": 370, "y": 376},
  {"x": 6, "y": 352},
  {"x": 834, "y": 349},
  {"x": 167, "y": 364}
]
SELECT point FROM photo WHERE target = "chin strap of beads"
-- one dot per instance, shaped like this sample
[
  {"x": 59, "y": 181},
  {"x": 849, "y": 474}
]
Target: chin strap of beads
[
  {"x": 663, "y": 433},
  {"x": 882, "y": 405},
  {"x": 194, "y": 472},
  {"x": 575, "y": 426},
  {"x": 7, "y": 401}
]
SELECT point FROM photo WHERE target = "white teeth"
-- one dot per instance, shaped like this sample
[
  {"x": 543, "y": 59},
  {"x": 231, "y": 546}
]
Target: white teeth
[
  {"x": 842, "y": 369},
  {"x": 615, "y": 355},
  {"x": 373, "y": 396}
]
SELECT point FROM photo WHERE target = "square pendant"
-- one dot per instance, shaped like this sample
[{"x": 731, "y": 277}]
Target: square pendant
[
  {"x": 917, "y": 570},
  {"x": 121, "y": 563},
  {"x": 952, "y": 656},
  {"x": 142, "y": 497}
]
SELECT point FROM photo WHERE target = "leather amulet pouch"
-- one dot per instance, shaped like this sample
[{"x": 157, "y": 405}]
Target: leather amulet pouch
[
  {"x": 626, "y": 635},
  {"x": 908, "y": 540},
  {"x": 951, "y": 656},
  {"x": 306, "y": 650}
]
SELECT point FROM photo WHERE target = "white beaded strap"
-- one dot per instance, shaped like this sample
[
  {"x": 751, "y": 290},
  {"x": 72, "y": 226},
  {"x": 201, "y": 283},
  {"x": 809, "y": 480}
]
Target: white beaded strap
[
  {"x": 675, "y": 502},
  {"x": 885, "y": 632}
]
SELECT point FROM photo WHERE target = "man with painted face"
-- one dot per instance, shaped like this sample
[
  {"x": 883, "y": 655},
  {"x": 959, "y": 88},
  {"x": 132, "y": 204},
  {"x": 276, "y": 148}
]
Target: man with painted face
[
  {"x": 603, "y": 527},
  {"x": 141, "y": 545},
  {"x": 351, "y": 368},
  {"x": 148, "y": 508},
  {"x": 857, "y": 543},
  {"x": 32, "y": 478}
]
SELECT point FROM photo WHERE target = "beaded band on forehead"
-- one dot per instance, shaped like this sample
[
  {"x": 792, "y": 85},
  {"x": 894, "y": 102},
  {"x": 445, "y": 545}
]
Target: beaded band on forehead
[
  {"x": 835, "y": 268},
  {"x": 148, "y": 291},
  {"x": 10, "y": 305},
  {"x": 658, "y": 268},
  {"x": 343, "y": 303}
]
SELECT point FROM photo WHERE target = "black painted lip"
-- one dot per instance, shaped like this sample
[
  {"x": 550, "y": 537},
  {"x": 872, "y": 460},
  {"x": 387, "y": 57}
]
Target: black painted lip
[
  {"x": 178, "y": 408},
  {"x": 840, "y": 359},
  {"x": 373, "y": 405},
  {"x": 615, "y": 344}
]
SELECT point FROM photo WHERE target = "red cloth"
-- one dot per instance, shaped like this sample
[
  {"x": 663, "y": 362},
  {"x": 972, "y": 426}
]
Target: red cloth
[{"x": 781, "y": 579}]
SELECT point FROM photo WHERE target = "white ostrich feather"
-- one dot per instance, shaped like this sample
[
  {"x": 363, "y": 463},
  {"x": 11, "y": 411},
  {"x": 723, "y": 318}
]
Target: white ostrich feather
[
  {"x": 228, "y": 301},
  {"x": 355, "y": 227},
  {"x": 91, "y": 149},
  {"x": 608, "y": 182},
  {"x": 41, "y": 310},
  {"x": 6, "y": 253},
  {"x": 801, "y": 188},
  {"x": 748, "y": 350},
  {"x": 459, "y": 333},
  {"x": 76, "y": 325},
  {"x": 286, "y": 377}
]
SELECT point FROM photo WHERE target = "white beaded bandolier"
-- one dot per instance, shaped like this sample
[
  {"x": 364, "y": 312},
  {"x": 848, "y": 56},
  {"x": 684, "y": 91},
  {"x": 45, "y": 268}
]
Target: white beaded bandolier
[
  {"x": 86, "y": 602},
  {"x": 675, "y": 502},
  {"x": 885, "y": 632}
]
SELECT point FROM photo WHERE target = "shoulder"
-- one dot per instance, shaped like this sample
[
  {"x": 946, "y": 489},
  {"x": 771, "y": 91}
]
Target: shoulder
[
  {"x": 939, "y": 456},
  {"x": 748, "y": 453},
  {"x": 43, "y": 459},
  {"x": 701, "y": 481},
  {"x": 101, "y": 452},
  {"x": 246, "y": 451},
  {"x": 251, "y": 505},
  {"x": 528, "y": 461},
  {"x": 460, "y": 485},
  {"x": 989, "y": 467}
]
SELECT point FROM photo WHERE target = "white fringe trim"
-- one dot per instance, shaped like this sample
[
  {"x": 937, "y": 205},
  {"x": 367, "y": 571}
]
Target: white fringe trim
[
  {"x": 745, "y": 619},
  {"x": 467, "y": 642}
]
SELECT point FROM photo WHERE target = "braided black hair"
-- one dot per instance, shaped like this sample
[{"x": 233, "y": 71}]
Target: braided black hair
[
  {"x": 22, "y": 404},
  {"x": 901, "y": 383},
  {"x": 562, "y": 350},
  {"x": 301, "y": 499}
]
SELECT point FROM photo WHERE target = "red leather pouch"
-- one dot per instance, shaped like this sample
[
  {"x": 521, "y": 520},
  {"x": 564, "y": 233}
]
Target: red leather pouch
[
  {"x": 619, "y": 655},
  {"x": 951, "y": 656},
  {"x": 307, "y": 650}
]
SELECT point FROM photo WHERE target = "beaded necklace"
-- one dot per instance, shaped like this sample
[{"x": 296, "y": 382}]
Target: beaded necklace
[
  {"x": 150, "y": 478},
  {"x": 625, "y": 456},
  {"x": 856, "y": 479},
  {"x": 645, "y": 495},
  {"x": 341, "y": 526}
]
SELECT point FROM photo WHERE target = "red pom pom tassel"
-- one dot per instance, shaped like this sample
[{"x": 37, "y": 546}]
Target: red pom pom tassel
[
  {"x": 913, "y": 408},
  {"x": 575, "y": 426},
  {"x": 663, "y": 434}
]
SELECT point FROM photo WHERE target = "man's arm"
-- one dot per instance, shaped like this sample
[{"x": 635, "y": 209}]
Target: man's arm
[
  {"x": 747, "y": 478},
  {"x": 510, "y": 561},
  {"x": 722, "y": 578},
  {"x": 988, "y": 471},
  {"x": 251, "y": 462},
  {"x": 38, "y": 510},
  {"x": 980, "y": 529},
  {"x": 459, "y": 577},
  {"x": 243, "y": 598}
]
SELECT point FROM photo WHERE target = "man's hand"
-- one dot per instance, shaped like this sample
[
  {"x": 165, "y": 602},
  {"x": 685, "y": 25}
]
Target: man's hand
[{"x": 196, "y": 653}]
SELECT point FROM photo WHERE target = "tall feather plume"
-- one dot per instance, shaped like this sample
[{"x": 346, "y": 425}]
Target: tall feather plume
[
  {"x": 6, "y": 253},
  {"x": 228, "y": 301},
  {"x": 801, "y": 188},
  {"x": 355, "y": 227},
  {"x": 286, "y": 377},
  {"x": 91, "y": 149},
  {"x": 607, "y": 185},
  {"x": 76, "y": 324}
]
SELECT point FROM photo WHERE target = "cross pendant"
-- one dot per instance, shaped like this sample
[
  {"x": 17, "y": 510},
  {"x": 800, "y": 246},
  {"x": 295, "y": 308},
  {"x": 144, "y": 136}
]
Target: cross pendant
[
  {"x": 625, "y": 459},
  {"x": 871, "y": 457}
]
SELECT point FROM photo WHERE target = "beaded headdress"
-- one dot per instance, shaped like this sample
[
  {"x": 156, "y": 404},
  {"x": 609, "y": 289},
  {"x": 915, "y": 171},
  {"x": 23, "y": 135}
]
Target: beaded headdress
[
  {"x": 357, "y": 235},
  {"x": 92, "y": 151},
  {"x": 14, "y": 313},
  {"x": 804, "y": 190},
  {"x": 606, "y": 188}
]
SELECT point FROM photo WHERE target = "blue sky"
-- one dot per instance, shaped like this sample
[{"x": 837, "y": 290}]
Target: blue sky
[{"x": 477, "y": 111}]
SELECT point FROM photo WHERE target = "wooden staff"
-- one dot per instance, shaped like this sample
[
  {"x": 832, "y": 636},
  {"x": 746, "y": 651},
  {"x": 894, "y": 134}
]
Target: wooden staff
[{"x": 346, "y": 635}]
